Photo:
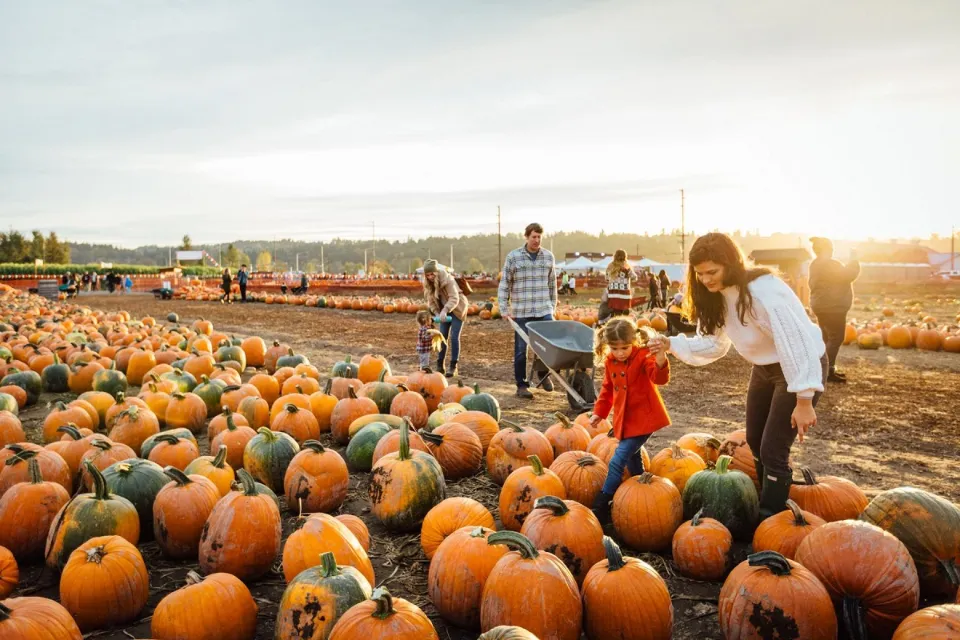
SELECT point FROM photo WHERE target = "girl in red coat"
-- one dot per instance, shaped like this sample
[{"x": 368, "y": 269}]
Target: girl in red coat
[{"x": 630, "y": 389}]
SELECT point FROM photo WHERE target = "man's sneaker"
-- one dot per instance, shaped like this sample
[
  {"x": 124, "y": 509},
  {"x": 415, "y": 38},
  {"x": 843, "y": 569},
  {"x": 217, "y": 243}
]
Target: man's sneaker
[{"x": 524, "y": 392}]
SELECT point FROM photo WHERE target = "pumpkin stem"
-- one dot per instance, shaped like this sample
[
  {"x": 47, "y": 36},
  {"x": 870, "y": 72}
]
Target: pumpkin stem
[
  {"x": 557, "y": 506},
  {"x": 95, "y": 554},
  {"x": 433, "y": 438},
  {"x": 169, "y": 438},
  {"x": 313, "y": 445},
  {"x": 808, "y": 477},
  {"x": 478, "y": 532},
  {"x": 645, "y": 478},
  {"x": 772, "y": 560},
  {"x": 290, "y": 407},
  {"x": 100, "y": 489},
  {"x": 676, "y": 451},
  {"x": 536, "y": 464},
  {"x": 193, "y": 578},
  {"x": 587, "y": 460},
  {"x": 476, "y": 388},
  {"x": 177, "y": 476},
  {"x": 614, "y": 556},
  {"x": 506, "y": 424},
  {"x": 102, "y": 443},
  {"x": 33, "y": 468},
  {"x": 300, "y": 388},
  {"x": 404, "y": 451},
  {"x": 328, "y": 565},
  {"x": 723, "y": 462},
  {"x": 853, "y": 618},
  {"x": 247, "y": 481},
  {"x": 269, "y": 435},
  {"x": 516, "y": 541},
  {"x": 221, "y": 457},
  {"x": 231, "y": 425},
  {"x": 119, "y": 397},
  {"x": 352, "y": 393},
  {"x": 610, "y": 434},
  {"x": 564, "y": 420},
  {"x": 950, "y": 568},
  {"x": 328, "y": 386},
  {"x": 71, "y": 430},
  {"x": 4, "y": 612},
  {"x": 798, "y": 518},
  {"x": 60, "y": 405},
  {"x": 21, "y": 456},
  {"x": 384, "y": 601},
  {"x": 695, "y": 520}
]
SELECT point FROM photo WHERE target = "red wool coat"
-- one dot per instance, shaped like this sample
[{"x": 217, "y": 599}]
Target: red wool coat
[{"x": 630, "y": 389}]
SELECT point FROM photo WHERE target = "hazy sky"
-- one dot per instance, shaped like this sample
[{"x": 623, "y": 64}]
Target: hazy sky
[{"x": 137, "y": 122}]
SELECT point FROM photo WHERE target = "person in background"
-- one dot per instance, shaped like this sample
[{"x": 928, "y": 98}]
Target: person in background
[
  {"x": 94, "y": 281},
  {"x": 226, "y": 281},
  {"x": 304, "y": 283},
  {"x": 242, "y": 282},
  {"x": 620, "y": 277},
  {"x": 664, "y": 286},
  {"x": 111, "y": 283},
  {"x": 653, "y": 285},
  {"x": 85, "y": 280},
  {"x": 128, "y": 284},
  {"x": 572, "y": 285},
  {"x": 831, "y": 296},
  {"x": 565, "y": 282},
  {"x": 424, "y": 339},
  {"x": 527, "y": 293},
  {"x": 449, "y": 306}
]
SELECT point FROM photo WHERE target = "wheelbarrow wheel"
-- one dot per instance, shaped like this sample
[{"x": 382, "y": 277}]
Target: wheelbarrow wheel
[{"x": 582, "y": 383}]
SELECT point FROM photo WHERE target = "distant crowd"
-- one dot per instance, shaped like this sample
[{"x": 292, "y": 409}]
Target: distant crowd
[{"x": 92, "y": 281}]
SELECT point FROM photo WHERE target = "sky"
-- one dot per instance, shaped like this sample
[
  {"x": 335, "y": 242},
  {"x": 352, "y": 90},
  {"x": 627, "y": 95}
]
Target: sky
[{"x": 138, "y": 122}]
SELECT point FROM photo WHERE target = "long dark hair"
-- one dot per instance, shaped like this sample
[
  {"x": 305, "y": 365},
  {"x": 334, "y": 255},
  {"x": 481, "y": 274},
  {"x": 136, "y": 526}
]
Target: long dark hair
[{"x": 708, "y": 308}]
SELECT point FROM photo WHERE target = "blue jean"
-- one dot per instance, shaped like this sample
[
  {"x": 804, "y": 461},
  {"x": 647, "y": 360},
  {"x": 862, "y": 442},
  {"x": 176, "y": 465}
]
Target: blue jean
[
  {"x": 627, "y": 455},
  {"x": 451, "y": 333},
  {"x": 520, "y": 352}
]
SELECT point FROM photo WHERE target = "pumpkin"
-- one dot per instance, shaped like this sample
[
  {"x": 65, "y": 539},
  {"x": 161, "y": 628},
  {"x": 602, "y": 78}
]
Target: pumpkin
[
  {"x": 88, "y": 515},
  {"x": 769, "y": 596},
  {"x": 568, "y": 530},
  {"x": 942, "y": 621},
  {"x": 828, "y": 497},
  {"x": 603, "y": 425},
  {"x": 242, "y": 534},
  {"x": 138, "y": 481},
  {"x": 728, "y": 496},
  {"x": 29, "y": 381},
  {"x": 899, "y": 338},
  {"x": 104, "y": 583},
  {"x": 481, "y": 424},
  {"x": 81, "y": 377},
  {"x": 428, "y": 384},
  {"x": 701, "y": 548},
  {"x": 72, "y": 446},
  {"x": 702, "y": 444},
  {"x": 228, "y": 352},
  {"x": 345, "y": 369},
  {"x": 173, "y": 450},
  {"x": 868, "y": 573},
  {"x": 346, "y": 411},
  {"x": 410, "y": 405},
  {"x": 566, "y": 436},
  {"x": 647, "y": 510},
  {"x": 210, "y": 392},
  {"x": 37, "y": 618},
  {"x": 505, "y": 631},
  {"x": 373, "y": 368},
  {"x": 449, "y": 516},
  {"x": 522, "y": 488},
  {"x": 380, "y": 392},
  {"x": 362, "y": 446},
  {"x": 319, "y": 533},
  {"x": 547, "y": 602},
  {"x": 357, "y": 528},
  {"x": 322, "y": 404},
  {"x": 55, "y": 377},
  {"x": 215, "y": 469},
  {"x": 300, "y": 424},
  {"x": 929, "y": 526},
  {"x": 358, "y": 424},
  {"x": 267, "y": 385},
  {"x": 405, "y": 485},
  {"x": 390, "y": 443},
  {"x": 156, "y": 400},
  {"x": 582, "y": 474},
  {"x": 16, "y": 469},
  {"x": 180, "y": 512},
  {"x": 120, "y": 404},
  {"x": 458, "y": 570},
  {"x": 186, "y": 411},
  {"x": 267, "y": 456},
  {"x": 483, "y": 402},
  {"x": 11, "y": 430},
  {"x": 456, "y": 448},
  {"x": 9, "y": 573},
  {"x": 133, "y": 426},
  {"x": 929, "y": 339},
  {"x": 184, "y": 381},
  {"x": 317, "y": 479},
  {"x": 61, "y": 415},
  {"x": 455, "y": 393},
  {"x": 232, "y": 598},
  {"x": 625, "y": 598},
  {"x": 384, "y": 617},
  {"x": 340, "y": 387},
  {"x": 255, "y": 412},
  {"x": 235, "y": 439},
  {"x": 110, "y": 381},
  {"x": 11, "y": 402},
  {"x": 317, "y": 597},
  {"x": 511, "y": 447},
  {"x": 737, "y": 448},
  {"x": 150, "y": 443},
  {"x": 785, "y": 531},
  {"x": 26, "y": 511},
  {"x": 301, "y": 383}
]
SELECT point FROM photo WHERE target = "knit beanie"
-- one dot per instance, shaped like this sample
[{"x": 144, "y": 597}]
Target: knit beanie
[{"x": 430, "y": 266}]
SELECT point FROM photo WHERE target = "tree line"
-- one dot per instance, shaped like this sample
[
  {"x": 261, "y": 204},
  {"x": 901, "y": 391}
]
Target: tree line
[{"x": 17, "y": 248}]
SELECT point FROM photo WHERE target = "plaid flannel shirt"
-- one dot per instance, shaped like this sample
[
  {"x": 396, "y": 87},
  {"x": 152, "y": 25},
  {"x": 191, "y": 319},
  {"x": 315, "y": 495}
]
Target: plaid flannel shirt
[
  {"x": 528, "y": 288},
  {"x": 424, "y": 344}
]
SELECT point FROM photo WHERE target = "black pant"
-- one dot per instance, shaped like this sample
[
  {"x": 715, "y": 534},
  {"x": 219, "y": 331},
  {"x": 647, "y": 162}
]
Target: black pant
[
  {"x": 243, "y": 292},
  {"x": 769, "y": 408},
  {"x": 833, "y": 326}
]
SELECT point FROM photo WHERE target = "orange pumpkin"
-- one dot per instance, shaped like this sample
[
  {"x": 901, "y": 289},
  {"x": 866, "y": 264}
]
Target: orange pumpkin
[
  {"x": 829, "y": 497},
  {"x": 133, "y": 426},
  {"x": 346, "y": 411},
  {"x": 27, "y": 510},
  {"x": 582, "y": 474},
  {"x": 371, "y": 367},
  {"x": 701, "y": 548},
  {"x": 449, "y": 516},
  {"x": 647, "y": 510},
  {"x": 458, "y": 571},
  {"x": 702, "y": 444},
  {"x": 318, "y": 533},
  {"x": 390, "y": 443},
  {"x": 677, "y": 465},
  {"x": 785, "y": 531},
  {"x": 316, "y": 479},
  {"x": 37, "y": 618},
  {"x": 567, "y": 436},
  {"x": 411, "y": 405},
  {"x": 300, "y": 424},
  {"x": 511, "y": 447},
  {"x": 482, "y": 424},
  {"x": 521, "y": 489},
  {"x": 216, "y": 469},
  {"x": 267, "y": 385},
  {"x": 456, "y": 448},
  {"x": 180, "y": 511},
  {"x": 9, "y": 574},
  {"x": 567, "y": 529},
  {"x": 384, "y": 617},
  {"x": 16, "y": 469},
  {"x": 428, "y": 384},
  {"x": 357, "y": 528},
  {"x": 172, "y": 450}
]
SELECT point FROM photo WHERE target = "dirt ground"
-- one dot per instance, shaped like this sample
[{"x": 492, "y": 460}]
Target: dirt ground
[{"x": 895, "y": 423}]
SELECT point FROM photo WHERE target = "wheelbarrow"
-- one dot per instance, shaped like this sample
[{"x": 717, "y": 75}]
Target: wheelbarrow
[{"x": 565, "y": 347}]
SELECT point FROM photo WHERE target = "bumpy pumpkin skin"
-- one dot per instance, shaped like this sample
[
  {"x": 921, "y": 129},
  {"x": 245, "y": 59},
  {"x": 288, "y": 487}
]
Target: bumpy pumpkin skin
[
  {"x": 458, "y": 572},
  {"x": 315, "y": 599},
  {"x": 37, "y": 618},
  {"x": 320, "y": 533},
  {"x": 404, "y": 486},
  {"x": 217, "y": 606}
]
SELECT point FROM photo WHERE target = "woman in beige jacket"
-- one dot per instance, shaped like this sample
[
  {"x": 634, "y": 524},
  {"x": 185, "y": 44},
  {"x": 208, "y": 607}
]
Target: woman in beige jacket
[{"x": 449, "y": 308}]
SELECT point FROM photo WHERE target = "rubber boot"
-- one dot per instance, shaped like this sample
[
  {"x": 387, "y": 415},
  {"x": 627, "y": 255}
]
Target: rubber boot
[
  {"x": 453, "y": 370},
  {"x": 601, "y": 507},
  {"x": 440, "y": 368},
  {"x": 773, "y": 498}
]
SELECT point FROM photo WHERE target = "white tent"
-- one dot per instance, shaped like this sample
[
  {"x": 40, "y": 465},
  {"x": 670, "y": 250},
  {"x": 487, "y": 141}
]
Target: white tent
[
  {"x": 603, "y": 263},
  {"x": 580, "y": 264},
  {"x": 645, "y": 262}
]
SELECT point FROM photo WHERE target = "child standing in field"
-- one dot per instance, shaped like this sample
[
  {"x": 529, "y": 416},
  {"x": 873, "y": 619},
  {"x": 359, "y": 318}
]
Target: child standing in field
[
  {"x": 630, "y": 390},
  {"x": 425, "y": 338}
]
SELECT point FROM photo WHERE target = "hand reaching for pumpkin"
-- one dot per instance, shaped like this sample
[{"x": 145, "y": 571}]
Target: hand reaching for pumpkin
[{"x": 804, "y": 417}]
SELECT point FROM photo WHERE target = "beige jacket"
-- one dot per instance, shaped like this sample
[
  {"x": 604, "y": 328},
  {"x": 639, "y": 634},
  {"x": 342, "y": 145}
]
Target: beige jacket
[{"x": 444, "y": 297}]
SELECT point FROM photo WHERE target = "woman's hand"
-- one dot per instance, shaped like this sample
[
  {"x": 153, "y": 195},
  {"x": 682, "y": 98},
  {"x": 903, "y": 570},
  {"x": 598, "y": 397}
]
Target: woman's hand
[
  {"x": 804, "y": 417},
  {"x": 595, "y": 420},
  {"x": 659, "y": 346}
]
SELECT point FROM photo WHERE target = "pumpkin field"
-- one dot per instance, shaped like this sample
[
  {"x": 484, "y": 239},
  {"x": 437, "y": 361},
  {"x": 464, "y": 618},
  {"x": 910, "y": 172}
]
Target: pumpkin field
[{"x": 266, "y": 484}]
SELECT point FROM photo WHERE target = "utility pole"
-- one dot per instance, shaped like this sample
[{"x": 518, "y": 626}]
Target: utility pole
[
  {"x": 683, "y": 230},
  {"x": 169, "y": 256},
  {"x": 499, "y": 247},
  {"x": 365, "y": 272},
  {"x": 953, "y": 236},
  {"x": 322, "y": 267},
  {"x": 374, "y": 223}
]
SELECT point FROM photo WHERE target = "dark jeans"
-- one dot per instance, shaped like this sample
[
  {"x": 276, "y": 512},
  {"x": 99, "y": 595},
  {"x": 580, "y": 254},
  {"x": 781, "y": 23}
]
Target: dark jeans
[
  {"x": 833, "y": 326},
  {"x": 243, "y": 293},
  {"x": 451, "y": 333},
  {"x": 520, "y": 353},
  {"x": 769, "y": 408},
  {"x": 626, "y": 455}
]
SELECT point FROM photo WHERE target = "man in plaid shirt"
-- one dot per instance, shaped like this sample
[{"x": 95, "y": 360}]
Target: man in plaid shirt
[{"x": 528, "y": 292}]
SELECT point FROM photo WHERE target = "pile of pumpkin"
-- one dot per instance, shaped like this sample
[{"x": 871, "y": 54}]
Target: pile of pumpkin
[
  {"x": 550, "y": 573},
  {"x": 925, "y": 335}
]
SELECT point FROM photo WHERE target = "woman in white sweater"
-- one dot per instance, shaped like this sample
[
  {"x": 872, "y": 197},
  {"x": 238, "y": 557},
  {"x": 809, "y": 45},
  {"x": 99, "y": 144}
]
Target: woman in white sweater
[{"x": 756, "y": 312}]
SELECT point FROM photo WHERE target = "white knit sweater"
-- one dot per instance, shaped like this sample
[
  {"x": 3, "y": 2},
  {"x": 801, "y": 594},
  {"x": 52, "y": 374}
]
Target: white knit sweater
[{"x": 778, "y": 331}]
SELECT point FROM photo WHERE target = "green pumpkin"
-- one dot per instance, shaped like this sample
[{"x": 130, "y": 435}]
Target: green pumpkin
[
  {"x": 210, "y": 392},
  {"x": 152, "y": 441},
  {"x": 29, "y": 381},
  {"x": 344, "y": 586},
  {"x": 9, "y": 403},
  {"x": 86, "y": 516},
  {"x": 185, "y": 382},
  {"x": 322, "y": 302},
  {"x": 485, "y": 402},
  {"x": 404, "y": 487},
  {"x": 138, "y": 481},
  {"x": 179, "y": 364},
  {"x": 231, "y": 352},
  {"x": 443, "y": 414},
  {"x": 267, "y": 456},
  {"x": 381, "y": 392},
  {"x": 724, "y": 495},
  {"x": 6, "y": 354},
  {"x": 110, "y": 381},
  {"x": 345, "y": 369},
  {"x": 291, "y": 360},
  {"x": 55, "y": 376},
  {"x": 359, "y": 452},
  {"x": 172, "y": 317}
]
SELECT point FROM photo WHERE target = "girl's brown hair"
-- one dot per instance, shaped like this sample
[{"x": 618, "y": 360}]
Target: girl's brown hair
[
  {"x": 620, "y": 330},
  {"x": 619, "y": 263},
  {"x": 709, "y": 309},
  {"x": 423, "y": 318}
]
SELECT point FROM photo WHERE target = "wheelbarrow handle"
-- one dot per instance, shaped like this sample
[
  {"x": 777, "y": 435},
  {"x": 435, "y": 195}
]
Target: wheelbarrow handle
[{"x": 557, "y": 376}]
